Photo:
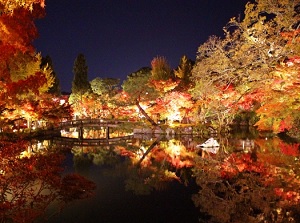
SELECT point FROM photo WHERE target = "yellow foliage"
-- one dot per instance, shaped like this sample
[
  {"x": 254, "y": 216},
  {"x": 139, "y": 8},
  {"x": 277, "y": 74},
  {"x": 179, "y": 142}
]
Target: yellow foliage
[{"x": 8, "y": 6}]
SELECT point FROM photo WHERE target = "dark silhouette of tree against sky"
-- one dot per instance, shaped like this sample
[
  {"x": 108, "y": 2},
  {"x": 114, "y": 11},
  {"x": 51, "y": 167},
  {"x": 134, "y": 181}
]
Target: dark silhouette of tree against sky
[{"x": 80, "y": 83}]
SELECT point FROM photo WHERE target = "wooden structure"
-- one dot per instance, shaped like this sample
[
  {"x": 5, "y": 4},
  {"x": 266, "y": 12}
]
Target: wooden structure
[{"x": 80, "y": 124}]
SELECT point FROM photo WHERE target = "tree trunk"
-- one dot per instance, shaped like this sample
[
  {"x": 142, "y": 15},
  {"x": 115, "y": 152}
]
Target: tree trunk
[
  {"x": 149, "y": 149},
  {"x": 153, "y": 123}
]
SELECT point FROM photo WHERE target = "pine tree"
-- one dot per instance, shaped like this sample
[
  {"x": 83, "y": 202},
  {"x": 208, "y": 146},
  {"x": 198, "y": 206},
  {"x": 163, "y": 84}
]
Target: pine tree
[{"x": 80, "y": 84}]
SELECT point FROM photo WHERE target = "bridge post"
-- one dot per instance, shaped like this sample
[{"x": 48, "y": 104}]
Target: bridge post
[
  {"x": 107, "y": 132},
  {"x": 80, "y": 133}
]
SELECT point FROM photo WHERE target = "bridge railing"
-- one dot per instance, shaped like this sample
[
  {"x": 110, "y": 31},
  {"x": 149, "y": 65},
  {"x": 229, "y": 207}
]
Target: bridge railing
[{"x": 82, "y": 122}]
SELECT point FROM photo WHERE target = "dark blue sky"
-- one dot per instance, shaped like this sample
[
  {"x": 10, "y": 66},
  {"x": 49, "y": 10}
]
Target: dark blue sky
[{"x": 118, "y": 37}]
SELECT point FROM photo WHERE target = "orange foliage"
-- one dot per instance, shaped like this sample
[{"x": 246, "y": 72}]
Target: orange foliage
[
  {"x": 164, "y": 85},
  {"x": 32, "y": 83}
]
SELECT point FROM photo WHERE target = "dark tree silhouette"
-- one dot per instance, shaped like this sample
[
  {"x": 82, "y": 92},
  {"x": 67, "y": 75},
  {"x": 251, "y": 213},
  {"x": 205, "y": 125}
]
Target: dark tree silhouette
[{"x": 80, "y": 84}]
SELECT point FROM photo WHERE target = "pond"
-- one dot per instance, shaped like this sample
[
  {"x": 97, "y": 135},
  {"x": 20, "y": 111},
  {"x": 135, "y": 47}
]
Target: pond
[
  {"x": 128, "y": 189},
  {"x": 122, "y": 198},
  {"x": 155, "y": 179}
]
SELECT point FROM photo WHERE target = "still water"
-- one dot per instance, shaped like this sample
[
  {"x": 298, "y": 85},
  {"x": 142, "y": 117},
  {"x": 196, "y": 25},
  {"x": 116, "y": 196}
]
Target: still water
[
  {"x": 130, "y": 187},
  {"x": 155, "y": 179},
  {"x": 114, "y": 203}
]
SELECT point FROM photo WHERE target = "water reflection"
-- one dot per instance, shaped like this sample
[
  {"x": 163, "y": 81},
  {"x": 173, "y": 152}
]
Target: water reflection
[
  {"x": 256, "y": 183},
  {"x": 150, "y": 164},
  {"x": 248, "y": 179},
  {"x": 256, "y": 180},
  {"x": 31, "y": 179}
]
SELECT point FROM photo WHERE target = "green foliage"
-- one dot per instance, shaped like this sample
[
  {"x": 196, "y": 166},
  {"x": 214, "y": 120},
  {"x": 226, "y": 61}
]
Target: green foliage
[
  {"x": 104, "y": 87},
  {"x": 24, "y": 66},
  {"x": 98, "y": 86},
  {"x": 104, "y": 96},
  {"x": 137, "y": 87},
  {"x": 111, "y": 84}
]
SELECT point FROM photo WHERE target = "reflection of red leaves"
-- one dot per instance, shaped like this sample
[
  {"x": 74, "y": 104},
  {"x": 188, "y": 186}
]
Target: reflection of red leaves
[
  {"x": 29, "y": 214},
  {"x": 26, "y": 182},
  {"x": 289, "y": 149},
  {"x": 121, "y": 150},
  {"x": 75, "y": 186},
  {"x": 29, "y": 184},
  {"x": 177, "y": 161},
  {"x": 159, "y": 154},
  {"x": 241, "y": 163}
]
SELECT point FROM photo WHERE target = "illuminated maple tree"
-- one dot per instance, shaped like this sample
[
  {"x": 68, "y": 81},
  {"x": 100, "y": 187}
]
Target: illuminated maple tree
[
  {"x": 280, "y": 108},
  {"x": 174, "y": 106},
  {"x": 23, "y": 80},
  {"x": 253, "y": 58}
]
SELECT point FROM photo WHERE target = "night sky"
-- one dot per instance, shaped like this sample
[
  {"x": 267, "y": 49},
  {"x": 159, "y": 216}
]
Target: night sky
[{"x": 119, "y": 37}]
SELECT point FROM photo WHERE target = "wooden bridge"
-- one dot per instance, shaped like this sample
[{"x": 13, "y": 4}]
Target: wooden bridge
[
  {"x": 89, "y": 123},
  {"x": 80, "y": 124}
]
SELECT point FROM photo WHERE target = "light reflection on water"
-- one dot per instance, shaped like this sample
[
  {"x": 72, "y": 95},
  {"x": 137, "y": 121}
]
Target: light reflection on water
[
  {"x": 160, "y": 180},
  {"x": 253, "y": 179}
]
